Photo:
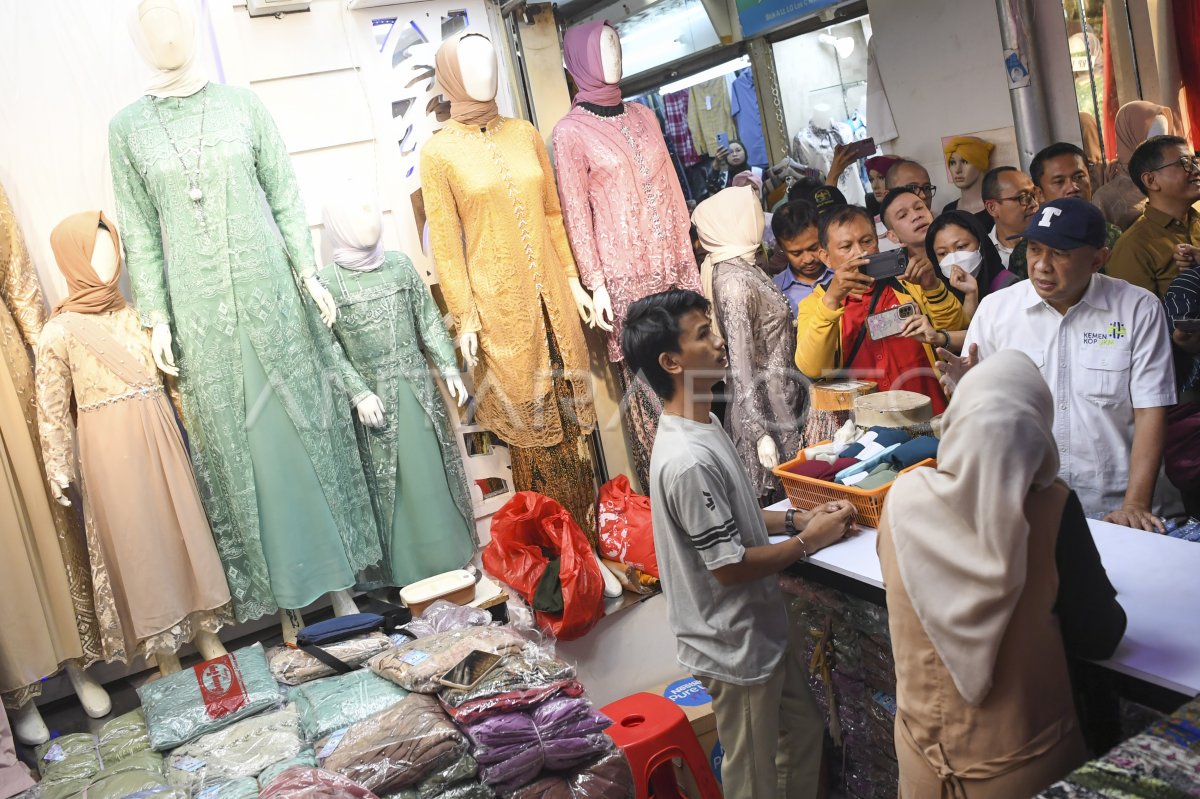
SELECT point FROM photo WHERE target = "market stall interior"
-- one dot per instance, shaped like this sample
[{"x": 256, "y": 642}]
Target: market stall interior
[{"x": 325, "y": 468}]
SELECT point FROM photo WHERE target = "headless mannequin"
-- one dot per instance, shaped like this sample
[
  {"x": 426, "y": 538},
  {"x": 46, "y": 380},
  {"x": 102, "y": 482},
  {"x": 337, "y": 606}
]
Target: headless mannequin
[
  {"x": 104, "y": 261},
  {"x": 477, "y": 62},
  {"x": 822, "y": 117},
  {"x": 169, "y": 29}
]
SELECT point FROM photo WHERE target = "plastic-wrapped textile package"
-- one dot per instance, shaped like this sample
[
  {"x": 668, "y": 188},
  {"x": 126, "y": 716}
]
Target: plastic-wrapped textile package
[
  {"x": 514, "y": 684},
  {"x": 241, "y": 750},
  {"x": 66, "y": 764},
  {"x": 607, "y": 778},
  {"x": 443, "y": 616},
  {"x": 476, "y": 710},
  {"x": 307, "y": 782},
  {"x": 123, "y": 736},
  {"x": 417, "y": 665},
  {"x": 513, "y": 748},
  {"x": 331, "y": 703},
  {"x": 464, "y": 790},
  {"x": 295, "y": 666},
  {"x": 133, "y": 781},
  {"x": 306, "y": 759},
  {"x": 240, "y": 788},
  {"x": 435, "y": 785},
  {"x": 396, "y": 748},
  {"x": 146, "y": 760},
  {"x": 208, "y": 697}
]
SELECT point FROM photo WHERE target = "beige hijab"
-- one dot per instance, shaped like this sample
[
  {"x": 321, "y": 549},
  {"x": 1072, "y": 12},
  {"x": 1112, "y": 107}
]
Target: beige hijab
[
  {"x": 730, "y": 225},
  {"x": 463, "y": 108},
  {"x": 960, "y": 533},
  {"x": 188, "y": 78},
  {"x": 73, "y": 242},
  {"x": 1133, "y": 123}
]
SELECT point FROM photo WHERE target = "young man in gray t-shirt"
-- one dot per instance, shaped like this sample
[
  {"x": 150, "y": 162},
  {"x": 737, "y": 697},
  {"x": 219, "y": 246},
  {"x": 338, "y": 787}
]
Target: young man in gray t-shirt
[{"x": 716, "y": 563}]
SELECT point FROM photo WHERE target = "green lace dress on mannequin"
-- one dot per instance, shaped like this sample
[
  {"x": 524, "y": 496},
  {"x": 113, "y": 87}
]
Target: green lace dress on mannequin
[{"x": 271, "y": 439}]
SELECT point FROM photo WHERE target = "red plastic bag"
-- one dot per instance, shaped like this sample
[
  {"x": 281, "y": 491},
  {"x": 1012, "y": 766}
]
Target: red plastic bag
[
  {"x": 527, "y": 524},
  {"x": 623, "y": 522}
]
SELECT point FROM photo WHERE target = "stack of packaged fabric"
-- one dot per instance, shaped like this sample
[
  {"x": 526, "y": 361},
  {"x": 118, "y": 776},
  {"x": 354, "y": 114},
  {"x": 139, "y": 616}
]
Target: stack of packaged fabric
[
  {"x": 865, "y": 460},
  {"x": 383, "y": 727}
]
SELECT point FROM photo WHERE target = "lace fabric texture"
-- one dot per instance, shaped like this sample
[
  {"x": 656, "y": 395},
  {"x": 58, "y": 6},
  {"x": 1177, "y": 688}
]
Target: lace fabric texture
[
  {"x": 623, "y": 208},
  {"x": 768, "y": 397},
  {"x": 241, "y": 750},
  {"x": 227, "y": 279},
  {"x": 52, "y": 617},
  {"x": 498, "y": 239},
  {"x": 335, "y": 702}
]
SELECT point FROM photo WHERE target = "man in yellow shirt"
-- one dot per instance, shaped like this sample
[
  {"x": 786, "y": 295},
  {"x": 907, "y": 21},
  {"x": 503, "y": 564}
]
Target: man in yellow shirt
[{"x": 831, "y": 324}]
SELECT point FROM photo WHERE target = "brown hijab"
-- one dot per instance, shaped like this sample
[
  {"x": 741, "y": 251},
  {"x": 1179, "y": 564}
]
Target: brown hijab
[
  {"x": 463, "y": 108},
  {"x": 1133, "y": 126},
  {"x": 73, "y": 242}
]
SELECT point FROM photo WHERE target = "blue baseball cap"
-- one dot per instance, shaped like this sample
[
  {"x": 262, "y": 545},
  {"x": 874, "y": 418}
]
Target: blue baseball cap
[{"x": 1068, "y": 224}]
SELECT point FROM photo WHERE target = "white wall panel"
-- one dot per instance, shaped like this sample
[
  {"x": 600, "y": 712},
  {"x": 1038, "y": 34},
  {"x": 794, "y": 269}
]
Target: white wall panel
[
  {"x": 296, "y": 44},
  {"x": 319, "y": 110}
]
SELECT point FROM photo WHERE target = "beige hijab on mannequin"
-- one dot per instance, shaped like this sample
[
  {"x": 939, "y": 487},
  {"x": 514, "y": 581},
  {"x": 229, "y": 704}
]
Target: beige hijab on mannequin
[
  {"x": 463, "y": 107},
  {"x": 729, "y": 225}
]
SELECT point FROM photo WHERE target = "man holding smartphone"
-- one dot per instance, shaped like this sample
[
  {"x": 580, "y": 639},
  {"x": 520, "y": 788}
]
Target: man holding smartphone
[{"x": 832, "y": 327}]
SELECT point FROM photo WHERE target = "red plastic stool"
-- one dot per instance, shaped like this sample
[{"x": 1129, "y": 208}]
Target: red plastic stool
[{"x": 651, "y": 730}]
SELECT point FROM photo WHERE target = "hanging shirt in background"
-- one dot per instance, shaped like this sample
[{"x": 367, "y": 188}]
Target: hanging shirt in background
[
  {"x": 748, "y": 118},
  {"x": 814, "y": 146},
  {"x": 675, "y": 119},
  {"x": 709, "y": 113}
]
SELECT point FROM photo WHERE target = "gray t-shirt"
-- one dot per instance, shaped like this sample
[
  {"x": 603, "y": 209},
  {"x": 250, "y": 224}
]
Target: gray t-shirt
[{"x": 705, "y": 514}]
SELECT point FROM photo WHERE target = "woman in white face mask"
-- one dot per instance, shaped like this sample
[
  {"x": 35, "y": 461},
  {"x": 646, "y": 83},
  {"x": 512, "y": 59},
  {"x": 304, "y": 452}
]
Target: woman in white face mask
[{"x": 969, "y": 262}]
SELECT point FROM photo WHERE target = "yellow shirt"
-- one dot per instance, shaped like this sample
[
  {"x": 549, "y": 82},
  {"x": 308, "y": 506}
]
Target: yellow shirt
[
  {"x": 1144, "y": 255},
  {"x": 501, "y": 250}
]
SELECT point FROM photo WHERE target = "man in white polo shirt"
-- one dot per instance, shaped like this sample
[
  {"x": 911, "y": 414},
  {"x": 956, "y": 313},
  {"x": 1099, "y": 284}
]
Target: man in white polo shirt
[{"x": 1104, "y": 349}]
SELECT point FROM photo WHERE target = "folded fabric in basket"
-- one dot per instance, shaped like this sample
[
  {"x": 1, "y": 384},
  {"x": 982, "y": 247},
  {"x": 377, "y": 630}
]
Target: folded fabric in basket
[
  {"x": 561, "y": 733},
  {"x": 123, "y": 736},
  {"x": 881, "y": 475},
  {"x": 295, "y": 666},
  {"x": 417, "y": 666},
  {"x": 241, "y": 750},
  {"x": 307, "y": 782},
  {"x": 887, "y": 436},
  {"x": 396, "y": 748},
  {"x": 865, "y": 465},
  {"x": 913, "y": 452},
  {"x": 607, "y": 778},
  {"x": 208, "y": 697},
  {"x": 820, "y": 470},
  {"x": 331, "y": 703}
]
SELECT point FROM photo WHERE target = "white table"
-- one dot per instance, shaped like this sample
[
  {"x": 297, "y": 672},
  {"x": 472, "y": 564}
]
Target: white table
[{"x": 1158, "y": 584}]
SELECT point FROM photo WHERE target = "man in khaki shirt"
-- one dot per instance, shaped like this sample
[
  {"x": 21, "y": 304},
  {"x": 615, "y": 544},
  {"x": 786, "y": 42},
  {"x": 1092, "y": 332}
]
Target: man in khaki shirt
[{"x": 1167, "y": 236}]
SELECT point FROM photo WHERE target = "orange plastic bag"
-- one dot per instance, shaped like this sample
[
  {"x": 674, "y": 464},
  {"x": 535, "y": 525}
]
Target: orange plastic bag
[
  {"x": 623, "y": 522},
  {"x": 529, "y": 525}
]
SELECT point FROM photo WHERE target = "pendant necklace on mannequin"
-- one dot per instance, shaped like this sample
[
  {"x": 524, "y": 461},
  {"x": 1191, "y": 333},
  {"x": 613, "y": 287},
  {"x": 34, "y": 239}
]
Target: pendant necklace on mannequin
[{"x": 193, "y": 175}]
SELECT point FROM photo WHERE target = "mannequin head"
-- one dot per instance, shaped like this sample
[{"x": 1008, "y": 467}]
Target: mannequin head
[
  {"x": 104, "y": 254},
  {"x": 967, "y": 159},
  {"x": 166, "y": 31},
  {"x": 477, "y": 63},
  {"x": 87, "y": 251},
  {"x": 610, "y": 54},
  {"x": 353, "y": 231}
]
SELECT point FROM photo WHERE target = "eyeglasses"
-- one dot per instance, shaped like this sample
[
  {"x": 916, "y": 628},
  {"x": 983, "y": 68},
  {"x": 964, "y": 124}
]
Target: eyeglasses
[
  {"x": 1024, "y": 199},
  {"x": 928, "y": 189},
  {"x": 1188, "y": 162}
]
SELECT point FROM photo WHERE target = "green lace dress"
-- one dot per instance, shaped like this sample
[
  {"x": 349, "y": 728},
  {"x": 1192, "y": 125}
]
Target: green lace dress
[
  {"x": 387, "y": 323},
  {"x": 271, "y": 438}
]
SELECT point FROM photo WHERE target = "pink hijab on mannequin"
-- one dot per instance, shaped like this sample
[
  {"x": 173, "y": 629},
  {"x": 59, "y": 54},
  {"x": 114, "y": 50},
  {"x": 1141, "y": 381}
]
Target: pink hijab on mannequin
[{"x": 581, "y": 54}]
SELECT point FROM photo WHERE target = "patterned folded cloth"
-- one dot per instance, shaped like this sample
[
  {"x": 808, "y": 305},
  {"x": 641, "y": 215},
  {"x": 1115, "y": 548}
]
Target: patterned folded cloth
[
  {"x": 443, "y": 616},
  {"x": 607, "y": 778},
  {"x": 532, "y": 668},
  {"x": 242, "y": 750},
  {"x": 123, "y": 736},
  {"x": 560, "y": 734},
  {"x": 208, "y": 697},
  {"x": 306, "y": 759},
  {"x": 306, "y": 782},
  {"x": 396, "y": 748},
  {"x": 331, "y": 703},
  {"x": 295, "y": 666},
  {"x": 418, "y": 664}
]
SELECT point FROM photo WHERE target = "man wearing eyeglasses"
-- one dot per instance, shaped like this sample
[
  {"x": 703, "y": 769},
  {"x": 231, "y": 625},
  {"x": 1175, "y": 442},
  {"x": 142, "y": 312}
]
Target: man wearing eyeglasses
[
  {"x": 912, "y": 176},
  {"x": 1008, "y": 196},
  {"x": 1061, "y": 170},
  {"x": 1165, "y": 238}
]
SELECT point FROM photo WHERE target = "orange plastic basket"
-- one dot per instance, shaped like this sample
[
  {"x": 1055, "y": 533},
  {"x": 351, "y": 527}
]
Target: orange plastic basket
[{"x": 809, "y": 492}]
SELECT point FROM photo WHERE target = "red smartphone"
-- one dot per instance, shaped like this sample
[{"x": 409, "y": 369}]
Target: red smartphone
[{"x": 864, "y": 148}]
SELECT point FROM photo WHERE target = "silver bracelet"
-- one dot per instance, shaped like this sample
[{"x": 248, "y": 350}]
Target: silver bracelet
[{"x": 803, "y": 548}]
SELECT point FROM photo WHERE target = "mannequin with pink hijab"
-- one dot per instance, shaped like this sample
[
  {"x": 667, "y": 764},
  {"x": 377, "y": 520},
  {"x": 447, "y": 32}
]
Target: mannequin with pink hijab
[{"x": 1119, "y": 199}]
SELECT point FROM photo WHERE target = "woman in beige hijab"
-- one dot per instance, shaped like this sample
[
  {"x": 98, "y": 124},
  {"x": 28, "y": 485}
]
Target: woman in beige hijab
[
  {"x": 1120, "y": 200},
  {"x": 992, "y": 578}
]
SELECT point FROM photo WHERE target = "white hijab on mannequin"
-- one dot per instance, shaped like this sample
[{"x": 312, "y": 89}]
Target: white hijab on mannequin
[
  {"x": 353, "y": 229},
  {"x": 164, "y": 33}
]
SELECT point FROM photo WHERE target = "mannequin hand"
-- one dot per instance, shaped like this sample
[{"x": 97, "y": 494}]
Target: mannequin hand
[
  {"x": 58, "y": 487},
  {"x": 160, "y": 348},
  {"x": 457, "y": 389},
  {"x": 469, "y": 344},
  {"x": 602, "y": 307},
  {"x": 323, "y": 299},
  {"x": 768, "y": 453},
  {"x": 370, "y": 411},
  {"x": 583, "y": 302}
]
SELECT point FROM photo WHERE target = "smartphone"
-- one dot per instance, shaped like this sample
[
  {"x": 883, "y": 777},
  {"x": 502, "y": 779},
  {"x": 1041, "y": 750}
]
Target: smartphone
[
  {"x": 863, "y": 148},
  {"x": 723, "y": 140},
  {"x": 467, "y": 673},
  {"x": 1189, "y": 326},
  {"x": 884, "y": 265},
  {"x": 890, "y": 322}
]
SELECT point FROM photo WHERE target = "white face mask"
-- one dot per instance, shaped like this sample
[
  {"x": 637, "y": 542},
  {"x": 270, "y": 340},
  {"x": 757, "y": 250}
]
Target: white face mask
[{"x": 969, "y": 260}]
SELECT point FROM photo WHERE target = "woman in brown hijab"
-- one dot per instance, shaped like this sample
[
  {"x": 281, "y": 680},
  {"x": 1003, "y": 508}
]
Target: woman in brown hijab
[
  {"x": 992, "y": 578},
  {"x": 155, "y": 569}
]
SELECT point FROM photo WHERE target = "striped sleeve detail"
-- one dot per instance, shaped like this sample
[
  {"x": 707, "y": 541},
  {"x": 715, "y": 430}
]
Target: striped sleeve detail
[{"x": 718, "y": 534}]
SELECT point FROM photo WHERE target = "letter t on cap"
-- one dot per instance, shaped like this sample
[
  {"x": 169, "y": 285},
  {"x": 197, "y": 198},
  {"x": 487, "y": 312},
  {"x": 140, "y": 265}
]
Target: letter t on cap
[{"x": 1048, "y": 214}]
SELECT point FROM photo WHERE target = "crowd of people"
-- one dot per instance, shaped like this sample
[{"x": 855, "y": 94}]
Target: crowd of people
[{"x": 1067, "y": 335}]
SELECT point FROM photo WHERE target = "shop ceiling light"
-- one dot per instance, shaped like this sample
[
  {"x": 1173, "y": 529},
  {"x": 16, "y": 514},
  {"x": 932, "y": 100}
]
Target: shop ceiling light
[
  {"x": 267, "y": 8},
  {"x": 843, "y": 45}
]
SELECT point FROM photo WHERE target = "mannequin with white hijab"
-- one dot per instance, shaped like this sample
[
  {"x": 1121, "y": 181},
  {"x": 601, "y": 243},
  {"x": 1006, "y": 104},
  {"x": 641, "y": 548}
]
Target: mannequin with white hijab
[{"x": 164, "y": 33}]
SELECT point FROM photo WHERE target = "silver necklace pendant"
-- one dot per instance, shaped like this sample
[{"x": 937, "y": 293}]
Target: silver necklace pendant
[{"x": 195, "y": 193}]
